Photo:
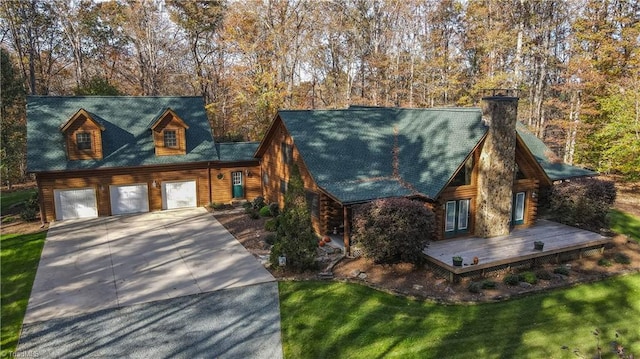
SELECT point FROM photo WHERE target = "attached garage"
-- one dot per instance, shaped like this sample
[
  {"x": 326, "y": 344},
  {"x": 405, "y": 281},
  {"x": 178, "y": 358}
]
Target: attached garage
[
  {"x": 133, "y": 198},
  {"x": 179, "y": 194},
  {"x": 75, "y": 203}
]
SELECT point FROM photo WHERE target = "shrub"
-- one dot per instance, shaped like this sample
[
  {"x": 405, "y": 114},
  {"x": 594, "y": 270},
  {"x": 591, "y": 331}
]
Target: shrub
[
  {"x": 28, "y": 214},
  {"x": 475, "y": 287},
  {"x": 271, "y": 224},
  {"x": 528, "y": 277},
  {"x": 294, "y": 237},
  {"x": 217, "y": 206},
  {"x": 488, "y": 284},
  {"x": 561, "y": 270},
  {"x": 604, "y": 262},
  {"x": 582, "y": 203},
  {"x": 393, "y": 229},
  {"x": 622, "y": 258},
  {"x": 258, "y": 202},
  {"x": 270, "y": 238},
  {"x": 511, "y": 279},
  {"x": 264, "y": 212},
  {"x": 274, "y": 209},
  {"x": 254, "y": 214},
  {"x": 247, "y": 205},
  {"x": 30, "y": 211},
  {"x": 543, "y": 275}
]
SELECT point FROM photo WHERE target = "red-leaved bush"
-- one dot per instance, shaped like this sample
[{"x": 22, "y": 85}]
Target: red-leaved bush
[{"x": 393, "y": 229}]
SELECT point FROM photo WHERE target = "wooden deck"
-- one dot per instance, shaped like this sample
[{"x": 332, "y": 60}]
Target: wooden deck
[{"x": 517, "y": 247}]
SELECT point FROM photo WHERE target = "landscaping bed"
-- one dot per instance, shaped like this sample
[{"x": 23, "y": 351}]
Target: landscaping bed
[{"x": 413, "y": 281}]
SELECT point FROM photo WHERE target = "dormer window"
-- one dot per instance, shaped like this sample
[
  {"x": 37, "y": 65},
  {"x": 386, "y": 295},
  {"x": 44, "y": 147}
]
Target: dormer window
[
  {"x": 169, "y": 134},
  {"x": 83, "y": 141},
  {"x": 170, "y": 139},
  {"x": 83, "y": 136}
]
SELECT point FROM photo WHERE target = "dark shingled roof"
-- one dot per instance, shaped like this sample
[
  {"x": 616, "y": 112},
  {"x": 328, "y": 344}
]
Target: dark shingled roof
[
  {"x": 237, "y": 151},
  {"x": 350, "y": 153},
  {"x": 554, "y": 167},
  {"x": 127, "y": 140}
]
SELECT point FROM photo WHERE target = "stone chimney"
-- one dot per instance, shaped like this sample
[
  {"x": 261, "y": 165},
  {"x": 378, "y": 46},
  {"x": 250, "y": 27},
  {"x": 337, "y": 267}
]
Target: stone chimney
[{"x": 497, "y": 164}]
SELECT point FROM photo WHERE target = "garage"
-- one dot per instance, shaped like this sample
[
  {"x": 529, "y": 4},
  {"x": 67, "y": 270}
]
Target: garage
[
  {"x": 132, "y": 198},
  {"x": 179, "y": 194},
  {"x": 75, "y": 203}
]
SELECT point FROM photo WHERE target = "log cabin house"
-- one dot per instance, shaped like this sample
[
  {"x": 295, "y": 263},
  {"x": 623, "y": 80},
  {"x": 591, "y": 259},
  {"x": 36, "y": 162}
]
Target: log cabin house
[
  {"x": 478, "y": 169},
  {"x": 101, "y": 156}
]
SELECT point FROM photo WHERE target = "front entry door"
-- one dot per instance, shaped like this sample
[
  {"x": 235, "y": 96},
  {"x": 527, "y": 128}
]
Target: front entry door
[
  {"x": 456, "y": 217},
  {"x": 238, "y": 190},
  {"x": 518, "y": 208}
]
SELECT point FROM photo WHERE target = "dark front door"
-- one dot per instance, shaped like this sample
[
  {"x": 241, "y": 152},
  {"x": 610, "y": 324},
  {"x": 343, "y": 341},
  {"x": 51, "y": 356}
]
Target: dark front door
[
  {"x": 238, "y": 189},
  {"x": 456, "y": 217}
]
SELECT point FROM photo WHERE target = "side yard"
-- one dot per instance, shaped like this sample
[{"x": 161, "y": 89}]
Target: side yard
[
  {"x": 342, "y": 320},
  {"x": 19, "y": 256}
]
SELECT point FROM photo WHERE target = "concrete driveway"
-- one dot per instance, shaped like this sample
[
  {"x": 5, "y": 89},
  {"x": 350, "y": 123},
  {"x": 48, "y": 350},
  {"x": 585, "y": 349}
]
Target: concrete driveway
[{"x": 112, "y": 262}]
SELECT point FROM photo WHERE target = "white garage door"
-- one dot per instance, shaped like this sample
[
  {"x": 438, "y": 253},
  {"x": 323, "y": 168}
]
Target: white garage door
[
  {"x": 180, "y": 194},
  {"x": 132, "y": 198},
  {"x": 75, "y": 203}
]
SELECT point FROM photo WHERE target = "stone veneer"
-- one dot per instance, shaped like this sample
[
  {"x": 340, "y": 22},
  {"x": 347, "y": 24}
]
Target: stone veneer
[{"x": 496, "y": 167}]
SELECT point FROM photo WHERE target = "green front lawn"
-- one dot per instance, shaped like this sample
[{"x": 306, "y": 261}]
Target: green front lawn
[
  {"x": 625, "y": 223},
  {"x": 8, "y": 199},
  {"x": 19, "y": 256},
  {"x": 340, "y": 320}
]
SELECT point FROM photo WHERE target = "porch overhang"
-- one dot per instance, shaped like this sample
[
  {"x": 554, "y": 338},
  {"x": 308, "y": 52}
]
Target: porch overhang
[{"x": 513, "y": 250}]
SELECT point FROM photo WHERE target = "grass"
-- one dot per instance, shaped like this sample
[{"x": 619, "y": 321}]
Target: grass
[
  {"x": 19, "y": 256},
  {"x": 341, "y": 320},
  {"x": 8, "y": 199},
  {"x": 625, "y": 223}
]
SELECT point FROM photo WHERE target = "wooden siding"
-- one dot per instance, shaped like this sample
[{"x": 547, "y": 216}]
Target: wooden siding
[
  {"x": 530, "y": 185},
  {"x": 221, "y": 188},
  {"x": 169, "y": 123},
  {"x": 78, "y": 125},
  {"x": 274, "y": 170},
  {"x": 208, "y": 187}
]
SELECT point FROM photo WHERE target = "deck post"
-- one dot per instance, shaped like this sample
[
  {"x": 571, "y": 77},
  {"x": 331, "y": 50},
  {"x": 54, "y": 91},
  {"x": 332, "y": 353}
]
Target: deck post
[{"x": 347, "y": 230}]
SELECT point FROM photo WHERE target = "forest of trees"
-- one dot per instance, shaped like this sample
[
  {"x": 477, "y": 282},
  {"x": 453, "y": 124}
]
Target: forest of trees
[{"x": 576, "y": 63}]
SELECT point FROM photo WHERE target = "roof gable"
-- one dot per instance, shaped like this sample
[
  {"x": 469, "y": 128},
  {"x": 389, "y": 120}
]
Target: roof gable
[
  {"x": 167, "y": 116},
  {"x": 126, "y": 138},
  {"x": 554, "y": 168},
  {"x": 360, "y": 154},
  {"x": 82, "y": 114}
]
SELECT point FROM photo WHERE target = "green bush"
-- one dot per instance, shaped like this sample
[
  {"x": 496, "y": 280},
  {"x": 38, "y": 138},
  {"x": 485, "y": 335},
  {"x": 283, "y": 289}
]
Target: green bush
[
  {"x": 582, "y": 203},
  {"x": 544, "y": 275},
  {"x": 511, "y": 279},
  {"x": 528, "y": 277},
  {"x": 253, "y": 213},
  {"x": 271, "y": 224},
  {"x": 488, "y": 284},
  {"x": 31, "y": 209},
  {"x": 264, "y": 212},
  {"x": 604, "y": 262},
  {"x": 295, "y": 238},
  {"x": 270, "y": 239},
  {"x": 258, "y": 202},
  {"x": 29, "y": 214},
  {"x": 393, "y": 229},
  {"x": 475, "y": 287},
  {"x": 274, "y": 209},
  {"x": 561, "y": 270},
  {"x": 622, "y": 258}
]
